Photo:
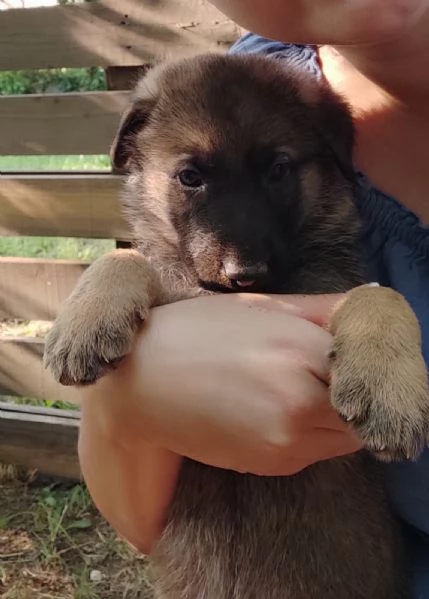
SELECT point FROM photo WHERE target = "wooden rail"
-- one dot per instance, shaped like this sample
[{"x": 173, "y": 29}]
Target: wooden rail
[
  {"x": 108, "y": 32},
  {"x": 22, "y": 372},
  {"x": 72, "y": 123},
  {"x": 61, "y": 204},
  {"x": 40, "y": 438},
  {"x": 35, "y": 288}
]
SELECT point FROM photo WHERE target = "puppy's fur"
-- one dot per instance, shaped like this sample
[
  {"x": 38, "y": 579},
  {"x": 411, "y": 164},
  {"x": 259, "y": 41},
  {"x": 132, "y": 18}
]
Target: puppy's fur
[{"x": 240, "y": 178}]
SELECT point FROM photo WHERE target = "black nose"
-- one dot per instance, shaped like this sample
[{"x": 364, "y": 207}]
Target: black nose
[{"x": 242, "y": 273}]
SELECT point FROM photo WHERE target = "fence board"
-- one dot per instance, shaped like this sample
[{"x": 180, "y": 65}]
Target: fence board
[
  {"x": 22, "y": 372},
  {"x": 42, "y": 439},
  {"x": 108, "y": 32},
  {"x": 63, "y": 205},
  {"x": 72, "y": 123},
  {"x": 34, "y": 289}
]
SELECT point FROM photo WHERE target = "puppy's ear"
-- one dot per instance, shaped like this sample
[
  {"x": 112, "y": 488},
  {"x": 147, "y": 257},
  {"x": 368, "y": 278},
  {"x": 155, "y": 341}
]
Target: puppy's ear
[
  {"x": 123, "y": 152},
  {"x": 334, "y": 124},
  {"x": 331, "y": 120}
]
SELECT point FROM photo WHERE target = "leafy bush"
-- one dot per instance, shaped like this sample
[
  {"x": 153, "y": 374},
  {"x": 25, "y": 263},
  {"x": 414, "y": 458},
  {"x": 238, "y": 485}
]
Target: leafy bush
[{"x": 52, "y": 80}]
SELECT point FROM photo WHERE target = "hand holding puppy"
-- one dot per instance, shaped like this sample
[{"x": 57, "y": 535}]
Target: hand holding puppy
[{"x": 236, "y": 381}]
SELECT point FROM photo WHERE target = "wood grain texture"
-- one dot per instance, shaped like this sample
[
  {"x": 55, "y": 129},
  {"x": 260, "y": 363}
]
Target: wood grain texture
[
  {"x": 34, "y": 289},
  {"x": 108, "y": 32},
  {"x": 63, "y": 205},
  {"x": 41, "y": 439},
  {"x": 51, "y": 124},
  {"x": 22, "y": 372}
]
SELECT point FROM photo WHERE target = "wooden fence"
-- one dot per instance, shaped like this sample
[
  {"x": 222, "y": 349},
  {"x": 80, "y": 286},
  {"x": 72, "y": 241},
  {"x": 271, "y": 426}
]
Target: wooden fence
[{"x": 121, "y": 37}]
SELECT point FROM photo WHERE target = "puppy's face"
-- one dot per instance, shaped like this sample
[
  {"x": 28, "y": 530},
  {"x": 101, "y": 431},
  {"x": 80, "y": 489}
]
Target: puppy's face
[{"x": 237, "y": 165}]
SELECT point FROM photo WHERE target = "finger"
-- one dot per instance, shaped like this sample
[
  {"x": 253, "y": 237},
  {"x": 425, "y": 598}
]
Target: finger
[
  {"x": 305, "y": 401},
  {"x": 315, "y": 308},
  {"x": 309, "y": 407},
  {"x": 322, "y": 444},
  {"x": 318, "y": 446},
  {"x": 329, "y": 420},
  {"x": 314, "y": 355}
]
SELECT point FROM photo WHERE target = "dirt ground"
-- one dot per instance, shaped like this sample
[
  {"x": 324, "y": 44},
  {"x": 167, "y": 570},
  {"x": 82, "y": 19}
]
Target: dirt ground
[{"x": 55, "y": 545}]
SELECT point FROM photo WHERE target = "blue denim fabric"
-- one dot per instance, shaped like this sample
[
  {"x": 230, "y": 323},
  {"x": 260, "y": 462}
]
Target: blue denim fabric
[{"x": 397, "y": 248}]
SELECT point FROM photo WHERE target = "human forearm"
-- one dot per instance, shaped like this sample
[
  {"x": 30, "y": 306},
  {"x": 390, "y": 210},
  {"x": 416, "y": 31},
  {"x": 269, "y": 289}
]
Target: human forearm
[{"x": 130, "y": 480}]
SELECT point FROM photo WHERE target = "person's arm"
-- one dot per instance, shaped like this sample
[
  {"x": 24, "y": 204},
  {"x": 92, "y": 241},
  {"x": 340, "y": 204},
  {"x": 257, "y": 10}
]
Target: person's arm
[
  {"x": 236, "y": 382},
  {"x": 130, "y": 480},
  {"x": 333, "y": 22}
]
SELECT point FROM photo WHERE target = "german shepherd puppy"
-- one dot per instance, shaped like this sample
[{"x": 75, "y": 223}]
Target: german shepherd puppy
[{"x": 240, "y": 178}]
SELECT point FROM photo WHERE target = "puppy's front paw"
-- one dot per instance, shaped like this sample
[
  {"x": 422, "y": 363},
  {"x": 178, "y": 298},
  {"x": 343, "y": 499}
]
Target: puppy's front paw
[
  {"x": 379, "y": 379},
  {"x": 385, "y": 398},
  {"x": 82, "y": 344}
]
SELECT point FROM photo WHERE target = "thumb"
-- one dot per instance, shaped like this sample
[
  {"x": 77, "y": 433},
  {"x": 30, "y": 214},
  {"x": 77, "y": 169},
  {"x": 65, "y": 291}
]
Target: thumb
[{"x": 315, "y": 308}]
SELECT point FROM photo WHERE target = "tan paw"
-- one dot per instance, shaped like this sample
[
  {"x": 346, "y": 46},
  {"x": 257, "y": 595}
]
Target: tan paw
[
  {"x": 81, "y": 348},
  {"x": 379, "y": 379},
  {"x": 386, "y": 402}
]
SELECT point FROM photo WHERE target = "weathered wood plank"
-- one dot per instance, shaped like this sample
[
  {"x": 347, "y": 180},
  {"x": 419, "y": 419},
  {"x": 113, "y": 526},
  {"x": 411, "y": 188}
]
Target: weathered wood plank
[
  {"x": 108, "y": 32},
  {"x": 72, "y": 123},
  {"x": 62, "y": 205},
  {"x": 42, "y": 439},
  {"x": 34, "y": 289},
  {"x": 22, "y": 372}
]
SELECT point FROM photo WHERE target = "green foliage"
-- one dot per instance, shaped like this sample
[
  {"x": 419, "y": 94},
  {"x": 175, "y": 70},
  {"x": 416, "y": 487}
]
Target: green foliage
[
  {"x": 63, "y": 248},
  {"x": 58, "y": 514},
  {"x": 52, "y": 81}
]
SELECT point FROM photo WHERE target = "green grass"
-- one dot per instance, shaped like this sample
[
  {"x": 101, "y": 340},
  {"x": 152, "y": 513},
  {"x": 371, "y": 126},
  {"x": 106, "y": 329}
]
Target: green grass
[
  {"x": 53, "y": 540},
  {"x": 54, "y": 163},
  {"x": 63, "y": 248}
]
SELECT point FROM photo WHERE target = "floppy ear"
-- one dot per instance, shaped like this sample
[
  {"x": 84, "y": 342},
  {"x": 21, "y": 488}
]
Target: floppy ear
[
  {"x": 144, "y": 98},
  {"x": 331, "y": 119},
  {"x": 334, "y": 124}
]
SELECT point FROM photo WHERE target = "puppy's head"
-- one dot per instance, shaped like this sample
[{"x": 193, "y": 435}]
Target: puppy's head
[{"x": 237, "y": 166}]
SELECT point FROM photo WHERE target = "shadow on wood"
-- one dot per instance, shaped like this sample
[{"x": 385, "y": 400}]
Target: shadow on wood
[
  {"x": 62, "y": 204},
  {"x": 22, "y": 372},
  {"x": 107, "y": 33}
]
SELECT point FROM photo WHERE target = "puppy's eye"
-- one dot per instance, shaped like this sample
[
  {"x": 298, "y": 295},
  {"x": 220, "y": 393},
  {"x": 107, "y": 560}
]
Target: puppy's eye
[
  {"x": 280, "y": 169},
  {"x": 190, "y": 177}
]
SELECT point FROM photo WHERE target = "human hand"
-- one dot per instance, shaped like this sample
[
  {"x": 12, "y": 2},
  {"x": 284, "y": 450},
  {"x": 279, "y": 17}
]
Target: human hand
[{"x": 237, "y": 381}]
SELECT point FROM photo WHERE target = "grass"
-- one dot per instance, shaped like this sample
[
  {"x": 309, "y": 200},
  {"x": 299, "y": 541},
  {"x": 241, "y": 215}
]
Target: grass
[
  {"x": 66, "y": 248},
  {"x": 54, "y": 544},
  {"x": 54, "y": 163}
]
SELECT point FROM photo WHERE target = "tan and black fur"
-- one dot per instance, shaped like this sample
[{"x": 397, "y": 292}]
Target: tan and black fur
[{"x": 240, "y": 178}]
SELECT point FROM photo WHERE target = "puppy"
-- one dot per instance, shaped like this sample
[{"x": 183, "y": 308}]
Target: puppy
[{"x": 240, "y": 179}]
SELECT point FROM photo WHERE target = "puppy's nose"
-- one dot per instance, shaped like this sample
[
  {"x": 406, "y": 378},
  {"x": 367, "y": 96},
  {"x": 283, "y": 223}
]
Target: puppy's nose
[{"x": 245, "y": 274}]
